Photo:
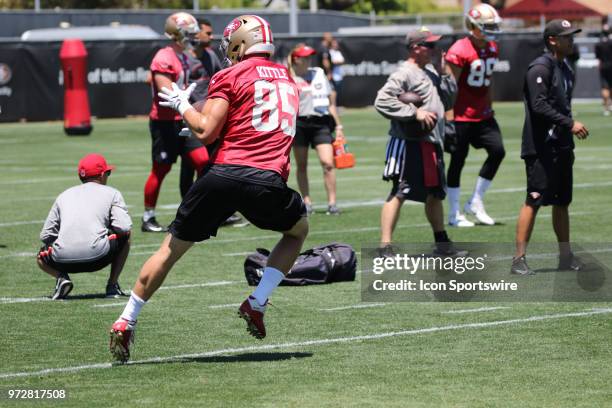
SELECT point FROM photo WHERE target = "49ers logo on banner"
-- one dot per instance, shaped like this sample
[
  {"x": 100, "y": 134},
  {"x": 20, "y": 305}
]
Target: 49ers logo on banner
[{"x": 231, "y": 27}]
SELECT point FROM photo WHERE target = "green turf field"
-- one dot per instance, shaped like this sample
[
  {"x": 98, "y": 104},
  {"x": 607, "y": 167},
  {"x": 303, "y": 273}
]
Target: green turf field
[{"x": 321, "y": 351}]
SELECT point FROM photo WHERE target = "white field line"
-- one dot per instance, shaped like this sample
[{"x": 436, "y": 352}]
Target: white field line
[
  {"x": 239, "y": 253},
  {"x": 308, "y": 343},
  {"x": 110, "y": 304},
  {"x": 354, "y": 204},
  {"x": 480, "y": 309},
  {"x": 16, "y": 223},
  {"x": 19, "y": 255},
  {"x": 312, "y": 233},
  {"x": 228, "y": 305},
  {"x": 66, "y": 178},
  {"x": 51, "y": 198},
  {"x": 348, "y": 230},
  {"x": 199, "y": 285},
  {"x": 9, "y": 300},
  {"x": 359, "y": 306}
]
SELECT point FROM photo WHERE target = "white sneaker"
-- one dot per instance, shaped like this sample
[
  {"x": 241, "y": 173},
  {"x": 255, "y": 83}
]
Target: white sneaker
[
  {"x": 479, "y": 212},
  {"x": 459, "y": 220}
]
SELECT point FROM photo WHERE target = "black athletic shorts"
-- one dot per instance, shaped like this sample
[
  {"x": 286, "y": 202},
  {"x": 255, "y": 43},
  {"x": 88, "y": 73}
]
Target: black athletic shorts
[
  {"x": 550, "y": 176},
  {"x": 605, "y": 77},
  {"x": 483, "y": 134},
  {"x": 312, "y": 131},
  {"x": 167, "y": 145},
  {"x": 422, "y": 175},
  {"x": 116, "y": 245},
  {"x": 261, "y": 196}
]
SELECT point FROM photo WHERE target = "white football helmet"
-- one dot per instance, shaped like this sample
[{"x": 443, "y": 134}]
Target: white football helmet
[
  {"x": 486, "y": 19},
  {"x": 244, "y": 35},
  {"x": 182, "y": 28}
]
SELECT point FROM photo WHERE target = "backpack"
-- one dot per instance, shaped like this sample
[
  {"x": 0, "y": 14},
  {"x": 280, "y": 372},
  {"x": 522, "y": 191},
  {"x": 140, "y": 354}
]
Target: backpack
[{"x": 329, "y": 263}]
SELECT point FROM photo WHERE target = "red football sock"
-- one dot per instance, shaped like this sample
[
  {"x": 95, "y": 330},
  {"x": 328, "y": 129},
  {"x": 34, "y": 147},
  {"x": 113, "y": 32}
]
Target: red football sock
[
  {"x": 199, "y": 159},
  {"x": 153, "y": 184}
]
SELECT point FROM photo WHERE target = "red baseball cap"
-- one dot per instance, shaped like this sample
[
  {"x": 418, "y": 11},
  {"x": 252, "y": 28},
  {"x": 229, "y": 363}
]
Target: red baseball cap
[
  {"x": 93, "y": 165},
  {"x": 303, "y": 51}
]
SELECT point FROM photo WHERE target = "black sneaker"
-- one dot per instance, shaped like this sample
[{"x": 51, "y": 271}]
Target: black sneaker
[
  {"x": 332, "y": 210},
  {"x": 520, "y": 267},
  {"x": 152, "y": 226},
  {"x": 570, "y": 263},
  {"x": 448, "y": 249},
  {"x": 63, "y": 286},
  {"x": 113, "y": 290}
]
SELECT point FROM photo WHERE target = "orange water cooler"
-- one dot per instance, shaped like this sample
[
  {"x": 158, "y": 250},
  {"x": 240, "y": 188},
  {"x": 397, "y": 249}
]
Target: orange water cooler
[{"x": 342, "y": 158}]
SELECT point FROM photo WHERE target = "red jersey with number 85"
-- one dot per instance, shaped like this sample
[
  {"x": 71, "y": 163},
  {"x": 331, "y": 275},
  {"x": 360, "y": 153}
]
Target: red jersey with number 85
[
  {"x": 263, "y": 104},
  {"x": 473, "y": 102}
]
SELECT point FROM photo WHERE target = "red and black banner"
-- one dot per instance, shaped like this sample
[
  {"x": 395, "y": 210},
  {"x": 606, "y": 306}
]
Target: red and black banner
[{"x": 31, "y": 80}]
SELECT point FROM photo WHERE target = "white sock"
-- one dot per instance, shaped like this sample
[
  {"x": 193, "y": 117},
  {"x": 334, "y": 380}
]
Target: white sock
[
  {"x": 482, "y": 184},
  {"x": 147, "y": 215},
  {"x": 453, "y": 200},
  {"x": 270, "y": 279},
  {"x": 132, "y": 309}
]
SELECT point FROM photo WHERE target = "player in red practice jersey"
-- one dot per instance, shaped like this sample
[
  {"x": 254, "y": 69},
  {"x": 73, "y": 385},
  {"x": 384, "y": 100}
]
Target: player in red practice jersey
[
  {"x": 251, "y": 108},
  {"x": 472, "y": 60},
  {"x": 169, "y": 65}
]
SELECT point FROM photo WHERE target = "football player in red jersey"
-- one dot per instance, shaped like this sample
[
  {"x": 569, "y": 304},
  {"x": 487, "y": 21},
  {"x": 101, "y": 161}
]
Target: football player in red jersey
[
  {"x": 169, "y": 65},
  {"x": 472, "y": 60},
  {"x": 251, "y": 109}
]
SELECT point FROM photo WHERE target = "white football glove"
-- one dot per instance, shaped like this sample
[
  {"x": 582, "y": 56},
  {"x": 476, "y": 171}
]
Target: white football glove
[{"x": 176, "y": 98}]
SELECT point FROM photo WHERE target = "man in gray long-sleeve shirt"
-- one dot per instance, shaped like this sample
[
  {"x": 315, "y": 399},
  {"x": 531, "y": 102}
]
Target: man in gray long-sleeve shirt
[
  {"x": 87, "y": 229},
  {"x": 414, "y": 159}
]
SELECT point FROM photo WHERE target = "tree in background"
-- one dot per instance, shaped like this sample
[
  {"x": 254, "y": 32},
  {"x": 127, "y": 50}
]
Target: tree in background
[
  {"x": 128, "y": 4},
  {"x": 379, "y": 6}
]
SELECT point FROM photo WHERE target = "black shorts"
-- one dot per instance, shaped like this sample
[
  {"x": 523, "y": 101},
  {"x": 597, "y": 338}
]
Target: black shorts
[
  {"x": 261, "y": 196},
  {"x": 313, "y": 131},
  {"x": 605, "y": 77},
  {"x": 483, "y": 134},
  {"x": 116, "y": 245},
  {"x": 422, "y": 175},
  {"x": 167, "y": 145},
  {"x": 550, "y": 176}
]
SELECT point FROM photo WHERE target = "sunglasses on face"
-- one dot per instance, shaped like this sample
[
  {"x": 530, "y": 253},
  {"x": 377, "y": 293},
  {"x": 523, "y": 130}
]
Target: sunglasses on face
[{"x": 107, "y": 173}]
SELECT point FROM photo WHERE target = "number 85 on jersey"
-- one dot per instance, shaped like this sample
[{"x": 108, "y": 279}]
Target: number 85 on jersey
[
  {"x": 276, "y": 104},
  {"x": 480, "y": 72}
]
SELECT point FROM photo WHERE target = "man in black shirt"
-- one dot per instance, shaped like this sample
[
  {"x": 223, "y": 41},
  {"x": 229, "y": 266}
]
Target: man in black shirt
[
  {"x": 603, "y": 52},
  {"x": 548, "y": 145}
]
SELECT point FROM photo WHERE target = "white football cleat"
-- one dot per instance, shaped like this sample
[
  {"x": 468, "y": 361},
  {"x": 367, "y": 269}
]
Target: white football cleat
[
  {"x": 478, "y": 211},
  {"x": 459, "y": 220}
]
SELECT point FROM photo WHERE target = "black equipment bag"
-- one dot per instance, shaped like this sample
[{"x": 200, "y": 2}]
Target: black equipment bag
[{"x": 329, "y": 263}]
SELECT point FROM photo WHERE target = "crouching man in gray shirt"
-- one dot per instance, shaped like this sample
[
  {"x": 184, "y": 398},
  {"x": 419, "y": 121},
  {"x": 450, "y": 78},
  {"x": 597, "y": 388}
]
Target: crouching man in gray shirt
[
  {"x": 415, "y": 98},
  {"x": 87, "y": 229}
]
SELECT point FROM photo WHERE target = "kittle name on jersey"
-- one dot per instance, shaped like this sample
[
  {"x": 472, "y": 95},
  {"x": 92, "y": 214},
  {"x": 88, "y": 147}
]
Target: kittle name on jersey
[{"x": 271, "y": 72}]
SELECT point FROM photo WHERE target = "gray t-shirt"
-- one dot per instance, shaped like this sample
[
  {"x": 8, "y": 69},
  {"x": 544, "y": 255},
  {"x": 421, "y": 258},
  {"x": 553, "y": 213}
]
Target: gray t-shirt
[{"x": 81, "y": 219}]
